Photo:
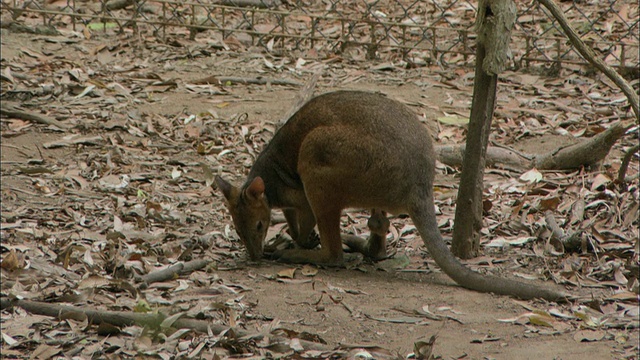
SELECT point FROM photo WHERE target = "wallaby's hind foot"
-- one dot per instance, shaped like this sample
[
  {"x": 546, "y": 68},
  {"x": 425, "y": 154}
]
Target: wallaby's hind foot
[
  {"x": 375, "y": 247},
  {"x": 304, "y": 256}
]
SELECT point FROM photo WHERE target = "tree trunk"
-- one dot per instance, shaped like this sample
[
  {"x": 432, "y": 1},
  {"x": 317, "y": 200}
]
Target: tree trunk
[{"x": 494, "y": 23}]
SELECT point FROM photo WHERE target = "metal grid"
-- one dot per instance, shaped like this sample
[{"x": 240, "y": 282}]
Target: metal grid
[{"x": 417, "y": 32}]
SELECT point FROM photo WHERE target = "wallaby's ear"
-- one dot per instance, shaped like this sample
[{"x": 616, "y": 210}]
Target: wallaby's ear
[
  {"x": 255, "y": 190},
  {"x": 224, "y": 186}
]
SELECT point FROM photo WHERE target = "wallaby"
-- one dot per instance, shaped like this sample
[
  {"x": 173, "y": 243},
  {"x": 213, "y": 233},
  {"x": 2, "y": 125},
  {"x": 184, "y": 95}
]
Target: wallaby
[{"x": 351, "y": 149}]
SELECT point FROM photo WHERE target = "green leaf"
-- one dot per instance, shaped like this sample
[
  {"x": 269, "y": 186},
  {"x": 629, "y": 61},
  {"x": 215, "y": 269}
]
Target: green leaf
[
  {"x": 101, "y": 26},
  {"x": 453, "y": 120}
]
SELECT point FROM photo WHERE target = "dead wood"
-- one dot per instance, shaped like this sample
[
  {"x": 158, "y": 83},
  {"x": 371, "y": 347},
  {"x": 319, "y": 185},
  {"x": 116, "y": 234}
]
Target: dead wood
[
  {"x": 258, "y": 81},
  {"x": 118, "y": 4},
  {"x": 13, "y": 110},
  {"x": 172, "y": 272},
  {"x": 90, "y": 140},
  {"x": 149, "y": 320},
  {"x": 494, "y": 23},
  {"x": 585, "y": 153},
  {"x": 590, "y": 56},
  {"x": 559, "y": 239}
]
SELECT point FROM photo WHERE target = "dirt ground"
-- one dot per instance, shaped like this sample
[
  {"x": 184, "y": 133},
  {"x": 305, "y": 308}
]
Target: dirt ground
[{"x": 385, "y": 311}]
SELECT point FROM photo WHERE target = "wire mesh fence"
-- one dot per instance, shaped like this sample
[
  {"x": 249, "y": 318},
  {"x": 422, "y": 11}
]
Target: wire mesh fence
[{"x": 412, "y": 31}]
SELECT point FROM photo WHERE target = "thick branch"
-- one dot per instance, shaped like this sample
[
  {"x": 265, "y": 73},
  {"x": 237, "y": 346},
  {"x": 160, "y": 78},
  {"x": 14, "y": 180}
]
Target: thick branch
[
  {"x": 495, "y": 21},
  {"x": 11, "y": 110},
  {"x": 121, "y": 319},
  {"x": 585, "y": 153}
]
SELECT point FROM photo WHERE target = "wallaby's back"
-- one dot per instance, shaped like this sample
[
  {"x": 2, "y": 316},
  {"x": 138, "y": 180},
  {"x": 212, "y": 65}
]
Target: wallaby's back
[{"x": 383, "y": 148}]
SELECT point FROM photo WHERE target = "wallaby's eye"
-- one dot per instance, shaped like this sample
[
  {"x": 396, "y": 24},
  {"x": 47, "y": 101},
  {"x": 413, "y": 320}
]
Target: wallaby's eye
[{"x": 259, "y": 226}]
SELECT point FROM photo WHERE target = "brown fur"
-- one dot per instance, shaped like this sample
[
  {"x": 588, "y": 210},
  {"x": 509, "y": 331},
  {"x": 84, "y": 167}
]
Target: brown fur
[{"x": 350, "y": 149}]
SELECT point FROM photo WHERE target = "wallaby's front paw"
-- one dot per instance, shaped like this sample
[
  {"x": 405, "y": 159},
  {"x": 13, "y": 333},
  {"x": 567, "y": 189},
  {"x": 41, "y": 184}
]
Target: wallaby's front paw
[
  {"x": 280, "y": 242},
  {"x": 311, "y": 242}
]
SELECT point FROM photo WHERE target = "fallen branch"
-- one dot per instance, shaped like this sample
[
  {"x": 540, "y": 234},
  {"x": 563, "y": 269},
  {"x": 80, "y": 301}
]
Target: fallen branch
[
  {"x": 15, "y": 111},
  {"x": 585, "y": 153},
  {"x": 172, "y": 272},
  {"x": 91, "y": 140},
  {"x": 118, "y": 4},
  {"x": 153, "y": 321},
  {"x": 258, "y": 81}
]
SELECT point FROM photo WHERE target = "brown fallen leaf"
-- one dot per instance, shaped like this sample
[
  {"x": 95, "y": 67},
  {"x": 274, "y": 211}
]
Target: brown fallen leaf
[
  {"x": 287, "y": 273},
  {"x": 422, "y": 350},
  {"x": 12, "y": 261},
  {"x": 308, "y": 270},
  {"x": 589, "y": 335}
]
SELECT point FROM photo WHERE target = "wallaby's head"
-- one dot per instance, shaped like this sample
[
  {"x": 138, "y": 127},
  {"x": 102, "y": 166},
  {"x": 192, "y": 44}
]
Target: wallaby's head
[{"x": 250, "y": 213}]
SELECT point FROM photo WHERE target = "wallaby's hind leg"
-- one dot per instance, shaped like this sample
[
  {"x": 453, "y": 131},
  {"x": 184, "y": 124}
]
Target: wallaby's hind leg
[
  {"x": 375, "y": 247},
  {"x": 292, "y": 221}
]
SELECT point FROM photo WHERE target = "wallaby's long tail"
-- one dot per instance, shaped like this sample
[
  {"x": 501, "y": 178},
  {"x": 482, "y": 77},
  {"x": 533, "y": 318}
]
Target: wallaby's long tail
[{"x": 423, "y": 216}]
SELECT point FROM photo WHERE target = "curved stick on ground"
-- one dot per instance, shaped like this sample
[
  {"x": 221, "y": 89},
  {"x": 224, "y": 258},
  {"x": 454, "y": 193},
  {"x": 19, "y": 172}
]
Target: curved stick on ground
[
  {"x": 625, "y": 164},
  {"x": 122, "y": 319}
]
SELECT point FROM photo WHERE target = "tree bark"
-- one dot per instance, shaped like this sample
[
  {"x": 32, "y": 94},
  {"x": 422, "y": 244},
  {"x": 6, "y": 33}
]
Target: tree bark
[{"x": 494, "y": 23}]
